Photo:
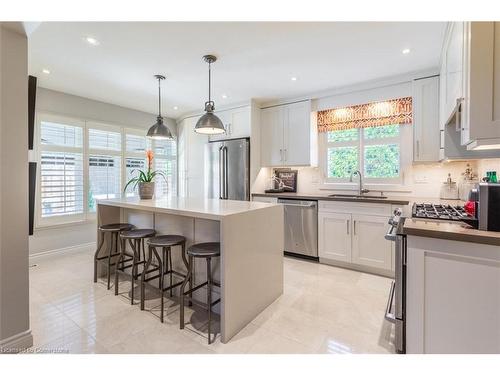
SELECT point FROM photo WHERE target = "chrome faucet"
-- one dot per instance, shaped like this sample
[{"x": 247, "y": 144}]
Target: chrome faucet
[{"x": 361, "y": 191}]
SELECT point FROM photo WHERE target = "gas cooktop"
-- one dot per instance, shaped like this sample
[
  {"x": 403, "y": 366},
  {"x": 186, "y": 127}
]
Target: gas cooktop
[{"x": 439, "y": 212}]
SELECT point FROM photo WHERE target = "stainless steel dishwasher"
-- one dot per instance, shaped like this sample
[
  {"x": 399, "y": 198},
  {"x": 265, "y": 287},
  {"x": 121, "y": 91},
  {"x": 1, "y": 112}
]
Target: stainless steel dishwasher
[{"x": 301, "y": 227}]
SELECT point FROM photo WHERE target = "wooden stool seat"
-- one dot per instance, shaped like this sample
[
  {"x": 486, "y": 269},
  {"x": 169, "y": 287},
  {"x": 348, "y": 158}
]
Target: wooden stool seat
[
  {"x": 137, "y": 233},
  {"x": 117, "y": 227},
  {"x": 167, "y": 240},
  {"x": 205, "y": 249}
]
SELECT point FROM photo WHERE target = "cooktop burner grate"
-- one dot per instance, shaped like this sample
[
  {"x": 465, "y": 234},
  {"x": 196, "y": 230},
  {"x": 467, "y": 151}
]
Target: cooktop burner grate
[{"x": 439, "y": 211}]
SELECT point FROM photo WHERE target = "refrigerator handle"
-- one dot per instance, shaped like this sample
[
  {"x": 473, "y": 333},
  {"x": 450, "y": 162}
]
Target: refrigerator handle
[
  {"x": 221, "y": 172},
  {"x": 226, "y": 187}
]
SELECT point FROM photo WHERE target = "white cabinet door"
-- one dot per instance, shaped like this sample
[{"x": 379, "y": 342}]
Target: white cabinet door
[
  {"x": 272, "y": 136},
  {"x": 453, "y": 59},
  {"x": 426, "y": 133},
  {"x": 297, "y": 134},
  {"x": 236, "y": 122},
  {"x": 334, "y": 236},
  {"x": 191, "y": 159},
  {"x": 369, "y": 246}
]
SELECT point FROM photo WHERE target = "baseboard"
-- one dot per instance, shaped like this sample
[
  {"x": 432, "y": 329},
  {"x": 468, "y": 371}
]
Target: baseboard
[
  {"x": 357, "y": 267},
  {"x": 83, "y": 247},
  {"x": 17, "y": 343}
]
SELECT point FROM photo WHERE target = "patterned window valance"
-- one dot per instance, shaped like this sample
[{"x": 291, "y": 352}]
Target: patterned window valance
[{"x": 389, "y": 112}]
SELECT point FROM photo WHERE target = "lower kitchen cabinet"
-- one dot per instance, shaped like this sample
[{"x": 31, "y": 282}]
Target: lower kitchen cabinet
[
  {"x": 334, "y": 236},
  {"x": 369, "y": 246},
  {"x": 349, "y": 237}
]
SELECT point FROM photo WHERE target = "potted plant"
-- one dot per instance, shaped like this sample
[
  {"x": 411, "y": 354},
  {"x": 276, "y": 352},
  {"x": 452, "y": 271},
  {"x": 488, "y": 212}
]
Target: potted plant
[{"x": 145, "y": 180}]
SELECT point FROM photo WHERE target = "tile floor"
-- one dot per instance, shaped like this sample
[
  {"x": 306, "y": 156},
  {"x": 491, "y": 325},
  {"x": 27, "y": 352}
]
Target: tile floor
[{"x": 323, "y": 310}]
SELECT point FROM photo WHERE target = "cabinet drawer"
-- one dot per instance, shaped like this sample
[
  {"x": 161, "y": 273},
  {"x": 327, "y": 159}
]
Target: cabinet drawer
[{"x": 378, "y": 209}]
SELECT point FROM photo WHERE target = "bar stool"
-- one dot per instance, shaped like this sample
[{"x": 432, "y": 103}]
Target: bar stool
[
  {"x": 164, "y": 264},
  {"x": 135, "y": 239},
  {"x": 207, "y": 250},
  {"x": 113, "y": 230}
]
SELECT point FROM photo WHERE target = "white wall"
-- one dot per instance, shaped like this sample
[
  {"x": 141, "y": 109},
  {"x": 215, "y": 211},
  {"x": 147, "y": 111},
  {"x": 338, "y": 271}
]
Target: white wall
[
  {"x": 14, "y": 277},
  {"x": 82, "y": 234}
]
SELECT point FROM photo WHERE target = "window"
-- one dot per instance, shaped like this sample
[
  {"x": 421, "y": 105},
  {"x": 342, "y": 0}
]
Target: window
[
  {"x": 104, "y": 163},
  {"x": 375, "y": 151},
  {"x": 81, "y": 162},
  {"x": 61, "y": 169}
]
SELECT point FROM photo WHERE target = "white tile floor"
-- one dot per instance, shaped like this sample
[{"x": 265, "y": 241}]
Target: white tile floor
[{"x": 323, "y": 310}]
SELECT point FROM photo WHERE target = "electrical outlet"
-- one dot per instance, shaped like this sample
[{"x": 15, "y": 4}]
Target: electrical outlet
[{"x": 421, "y": 179}]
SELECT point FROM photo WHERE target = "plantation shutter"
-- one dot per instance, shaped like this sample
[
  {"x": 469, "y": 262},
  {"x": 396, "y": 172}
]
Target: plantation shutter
[
  {"x": 166, "y": 161},
  {"x": 104, "y": 164},
  {"x": 61, "y": 169}
]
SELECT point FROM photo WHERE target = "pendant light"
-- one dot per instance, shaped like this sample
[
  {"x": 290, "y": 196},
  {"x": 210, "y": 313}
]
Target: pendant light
[
  {"x": 159, "y": 130},
  {"x": 209, "y": 123}
]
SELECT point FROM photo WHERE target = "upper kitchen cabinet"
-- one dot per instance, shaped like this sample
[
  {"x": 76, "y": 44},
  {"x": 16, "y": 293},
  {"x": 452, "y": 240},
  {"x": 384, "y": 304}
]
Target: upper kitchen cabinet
[
  {"x": 452, "y": 66},
  {"x": 426, "y": 134},
  {"x": 470, "y": 86},
  {"x": 286, "y": 135},
  {"x": 236, "y": 122}
]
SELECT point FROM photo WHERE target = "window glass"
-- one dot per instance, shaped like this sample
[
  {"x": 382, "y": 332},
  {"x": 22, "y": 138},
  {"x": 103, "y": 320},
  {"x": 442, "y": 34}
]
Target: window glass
[
  {"x": 381, "y": 161},
  {"x": 104, "y": 140},
  {"x": 342, "y": 161},
  {"x": 60, "y": 134},
  {"x": 343, "y": 135},
  {"x": 61, "y": 183},
  {"x": 388, "y": 131},
  {"x": 104, "y": 178},
  {"x": 131, "y": 166}
]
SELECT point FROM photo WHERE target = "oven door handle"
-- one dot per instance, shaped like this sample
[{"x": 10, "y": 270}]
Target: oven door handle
[
  {"x": 389, "y": 315},
  {"x": 390, "y": 236}
]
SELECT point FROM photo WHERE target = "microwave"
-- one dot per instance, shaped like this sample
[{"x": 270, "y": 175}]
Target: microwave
[{"x": 489, "y": 206}]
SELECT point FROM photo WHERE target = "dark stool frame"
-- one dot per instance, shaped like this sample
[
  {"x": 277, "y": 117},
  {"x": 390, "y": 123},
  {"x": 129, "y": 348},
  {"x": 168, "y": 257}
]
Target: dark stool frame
[
  {"x": 136, "y": 244},
  {"x": 188, "y": 294},
  {"x": 113, "y": 239},
  {"x": 164, "y": 268}
]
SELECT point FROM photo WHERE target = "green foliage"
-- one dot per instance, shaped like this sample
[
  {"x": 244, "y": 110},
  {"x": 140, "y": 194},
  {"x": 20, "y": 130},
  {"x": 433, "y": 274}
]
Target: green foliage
[
  {"x": 381, "y": 161},
  {"x": 387, "y": 131},
  {"x": 341, "y": 161},
  {"x": 147, "y": 176}
]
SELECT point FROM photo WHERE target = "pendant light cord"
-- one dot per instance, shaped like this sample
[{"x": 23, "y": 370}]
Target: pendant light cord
[
  {"x": 209, "y": 81},
  {"x": 159, "y": 97}
]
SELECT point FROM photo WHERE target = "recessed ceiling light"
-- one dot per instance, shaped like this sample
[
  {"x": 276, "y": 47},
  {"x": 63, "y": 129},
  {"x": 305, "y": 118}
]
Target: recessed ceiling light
[
  {"x": 224, "y": 96},
  {"x": 45, "y": 71},
  {"x": 406, "y": 51},
  {"x": 92, "y": 41},
  {"x": 176, "y": 108},
  {"x": 293, "y": 78}
]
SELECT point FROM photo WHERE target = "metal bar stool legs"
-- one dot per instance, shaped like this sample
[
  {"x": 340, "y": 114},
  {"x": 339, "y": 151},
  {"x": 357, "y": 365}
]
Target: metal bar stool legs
[{"x": 206, "y": 250}]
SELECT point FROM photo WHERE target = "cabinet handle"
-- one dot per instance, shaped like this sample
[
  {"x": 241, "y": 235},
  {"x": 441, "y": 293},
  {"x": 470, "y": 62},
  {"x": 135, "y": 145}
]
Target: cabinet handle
[
  {"x": 281, "y": 154},
  {"x": 458, "y": 115},
  {"x": 354, "y": 229},
  {"x": 284, "y": 154},
  {"x": 418, "y": 148},
  {"x": 347, "y": 222}
]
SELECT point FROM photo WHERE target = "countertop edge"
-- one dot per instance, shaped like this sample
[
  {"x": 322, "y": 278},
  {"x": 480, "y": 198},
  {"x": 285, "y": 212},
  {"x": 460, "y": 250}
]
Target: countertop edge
[{"x": 388, "y": 200}]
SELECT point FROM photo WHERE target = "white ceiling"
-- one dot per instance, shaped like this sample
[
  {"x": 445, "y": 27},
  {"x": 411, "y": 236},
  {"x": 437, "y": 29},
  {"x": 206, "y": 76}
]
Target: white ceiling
[{"x": 256, "y": 60}]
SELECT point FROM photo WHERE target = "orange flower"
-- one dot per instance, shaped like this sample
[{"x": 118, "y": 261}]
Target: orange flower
[{"x": 150, "y": 156}]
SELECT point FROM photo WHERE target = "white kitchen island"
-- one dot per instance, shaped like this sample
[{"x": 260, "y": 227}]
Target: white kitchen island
[{"x": 252, "y": 242}]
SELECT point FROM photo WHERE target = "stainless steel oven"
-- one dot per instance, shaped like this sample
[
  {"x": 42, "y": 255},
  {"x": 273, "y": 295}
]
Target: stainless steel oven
[
  {"x": 301, "y": 227},
  {"x": 396, "y": 305}
]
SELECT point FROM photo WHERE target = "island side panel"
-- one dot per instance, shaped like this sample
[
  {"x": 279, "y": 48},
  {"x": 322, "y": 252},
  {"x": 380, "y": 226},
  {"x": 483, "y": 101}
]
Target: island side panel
[{"x": 252, "y": 246}]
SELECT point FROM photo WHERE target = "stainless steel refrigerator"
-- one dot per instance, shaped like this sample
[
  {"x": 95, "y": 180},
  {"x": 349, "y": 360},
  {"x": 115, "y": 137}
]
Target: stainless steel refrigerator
[{"x": 227, "y": 169}]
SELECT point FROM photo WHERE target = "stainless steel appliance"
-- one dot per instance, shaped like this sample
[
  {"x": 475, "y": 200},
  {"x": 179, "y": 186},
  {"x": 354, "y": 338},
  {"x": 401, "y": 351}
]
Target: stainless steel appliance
[
  {"x": 227, "y": 169},
  {"x": 489, "y": 206},
  {"x": 396, "y": 305},
  {"x": 301, "y": 227}
]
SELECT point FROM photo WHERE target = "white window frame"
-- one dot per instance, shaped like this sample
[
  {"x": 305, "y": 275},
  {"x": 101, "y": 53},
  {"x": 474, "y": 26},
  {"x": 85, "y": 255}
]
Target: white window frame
[
  {"x": 360, "y": 143},
  {"x": 86, "y": 216}
]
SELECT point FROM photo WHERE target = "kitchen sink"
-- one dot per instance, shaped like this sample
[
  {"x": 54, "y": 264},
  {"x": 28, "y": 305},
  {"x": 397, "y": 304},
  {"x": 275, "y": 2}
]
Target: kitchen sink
[{"x": 357, "y": 196}]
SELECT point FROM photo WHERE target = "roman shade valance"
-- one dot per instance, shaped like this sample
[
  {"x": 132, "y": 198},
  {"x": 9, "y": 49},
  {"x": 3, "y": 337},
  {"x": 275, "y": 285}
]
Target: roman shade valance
[{"x": 389, "y": 112}]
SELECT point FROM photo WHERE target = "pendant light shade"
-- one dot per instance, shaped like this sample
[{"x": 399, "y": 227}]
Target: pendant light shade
[
  {"x": 159, "y": 130},
  {"x": 209, "y": 123}
]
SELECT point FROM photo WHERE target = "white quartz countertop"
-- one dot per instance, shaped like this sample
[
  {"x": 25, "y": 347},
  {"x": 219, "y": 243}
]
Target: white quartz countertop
[{"x": 214, "y": 209}]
